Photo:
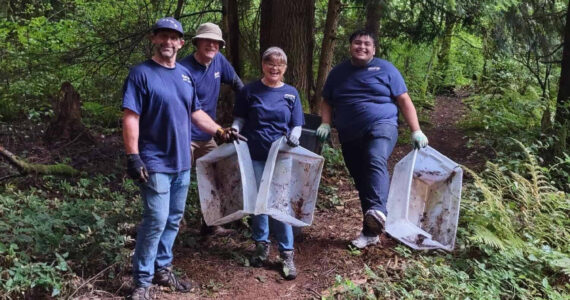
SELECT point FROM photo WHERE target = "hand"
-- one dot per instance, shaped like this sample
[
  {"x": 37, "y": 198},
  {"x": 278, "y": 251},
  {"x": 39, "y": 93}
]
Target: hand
[
  {"x": 419, "y": 139},
  {"x": 292, "y": 140},
  {"x": 136, "y": 168},
  {"x": 323, "y": 131},
  {"x": 227, "y": 135}
]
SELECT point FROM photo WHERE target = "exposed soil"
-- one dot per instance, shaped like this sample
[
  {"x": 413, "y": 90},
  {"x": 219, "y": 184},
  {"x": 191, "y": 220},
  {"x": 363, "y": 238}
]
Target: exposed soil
[{"x": 217, "y": 265}]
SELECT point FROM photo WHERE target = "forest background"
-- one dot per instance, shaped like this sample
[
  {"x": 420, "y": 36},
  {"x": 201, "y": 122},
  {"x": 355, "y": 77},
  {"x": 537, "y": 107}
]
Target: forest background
[{"x": 72, "y": 221}]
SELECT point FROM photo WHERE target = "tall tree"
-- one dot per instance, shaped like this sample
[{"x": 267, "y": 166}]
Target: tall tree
[
  {"x": 231, "y": 32},
  {"x": 374, "y": 11},
  {"x": 290, "y": 25},
  {"x": 327, "y": 51},
  {"x": 563, "y": 99}
]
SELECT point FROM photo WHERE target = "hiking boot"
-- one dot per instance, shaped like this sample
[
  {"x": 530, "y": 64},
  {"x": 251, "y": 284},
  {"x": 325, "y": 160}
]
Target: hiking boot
[
  {"x": 260, "y": 255},
  {"x": 289, "y": 270},
  {"x": 165, "y": 277},
  {"x": 363, "y": 241},
  {"x": 375, "y": 221},
  {"x": 141, "y": 293}
]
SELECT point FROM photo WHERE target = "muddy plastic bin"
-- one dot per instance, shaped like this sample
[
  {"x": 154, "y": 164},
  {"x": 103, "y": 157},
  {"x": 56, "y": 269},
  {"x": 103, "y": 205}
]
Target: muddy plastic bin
[
  {"x": 226, "y": 184},
  {"x": 309, "y": 139},
  {"x": 289, "y": 184},
  {"x": 423, "y": 203}
]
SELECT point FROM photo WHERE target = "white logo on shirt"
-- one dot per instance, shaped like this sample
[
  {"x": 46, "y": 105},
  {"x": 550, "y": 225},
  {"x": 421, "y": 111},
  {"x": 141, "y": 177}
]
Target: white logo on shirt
[
  {"x": 217, "y": 75},
  {"x": 373, "y": 68},
  {"x": 186, "y": 78},
  {"x": 289, "y": 97}
]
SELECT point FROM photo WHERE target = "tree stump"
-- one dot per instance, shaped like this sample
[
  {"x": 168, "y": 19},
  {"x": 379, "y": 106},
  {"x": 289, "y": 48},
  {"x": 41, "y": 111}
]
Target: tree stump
[{"x": 67, "y": 123}]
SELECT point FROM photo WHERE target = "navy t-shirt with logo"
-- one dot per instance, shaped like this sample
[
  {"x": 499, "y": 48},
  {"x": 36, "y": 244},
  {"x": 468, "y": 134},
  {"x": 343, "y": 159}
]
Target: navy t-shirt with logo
[
  {"x": 269, "y": 114},
  {"x": 208, "y": 80},
  {"x": 363, "y": 96},
  {"x": 164, "y": 98}
]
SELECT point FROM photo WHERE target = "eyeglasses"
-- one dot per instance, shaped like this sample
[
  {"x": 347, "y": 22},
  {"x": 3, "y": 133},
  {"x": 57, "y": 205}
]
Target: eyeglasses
[{"x": 272, "y": 65}]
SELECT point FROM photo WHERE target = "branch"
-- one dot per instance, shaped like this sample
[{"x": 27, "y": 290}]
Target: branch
[{"x": 27, "y": 168}]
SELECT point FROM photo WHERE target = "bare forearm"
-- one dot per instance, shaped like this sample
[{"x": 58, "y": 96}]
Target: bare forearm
[
  {"x": 204, "y": 122},
  {"x": 409, "y": 111},
  {"x": 326, "y": 112},
  {"x": 131, "y": 132}
]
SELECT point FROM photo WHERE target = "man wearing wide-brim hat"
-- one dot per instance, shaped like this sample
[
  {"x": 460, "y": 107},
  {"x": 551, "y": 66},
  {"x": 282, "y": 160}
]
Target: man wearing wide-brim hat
[{"x": 209, "y": 69}]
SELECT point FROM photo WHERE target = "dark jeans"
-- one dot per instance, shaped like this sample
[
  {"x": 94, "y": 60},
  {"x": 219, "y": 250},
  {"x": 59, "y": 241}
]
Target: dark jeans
[{"x": 367, "y": 161}]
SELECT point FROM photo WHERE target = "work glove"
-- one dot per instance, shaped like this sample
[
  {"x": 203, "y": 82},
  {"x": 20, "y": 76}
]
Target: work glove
[
  {"x": 228, "y": 135},
  {"x": 292, "y": 140},
  {"x": 136, "y": 168},
  {"x": 323, "y": 131},
  {"x": 419, "y": 139}
]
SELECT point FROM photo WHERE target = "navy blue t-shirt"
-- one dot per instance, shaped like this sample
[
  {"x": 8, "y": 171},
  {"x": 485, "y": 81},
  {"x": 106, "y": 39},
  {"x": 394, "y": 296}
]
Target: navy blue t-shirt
[
  {"x": 363, "y": 96},
  {"x": 269, "y": 114},
  {"x": 208, "y": 81},
  {"x": 164, "y": 98}
]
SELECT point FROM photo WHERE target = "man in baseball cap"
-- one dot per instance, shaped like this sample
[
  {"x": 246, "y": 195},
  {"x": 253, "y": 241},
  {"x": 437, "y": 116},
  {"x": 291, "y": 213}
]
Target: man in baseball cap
[
  {"x": 160, "y": 108},
  {"x": 209, "y": 69}
]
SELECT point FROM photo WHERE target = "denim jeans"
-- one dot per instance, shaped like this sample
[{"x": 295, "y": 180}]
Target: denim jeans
[
  {"x": 283, "y": 232},
  {"x": 163, "y": 198},
  {"x": 367, "y": 161}
]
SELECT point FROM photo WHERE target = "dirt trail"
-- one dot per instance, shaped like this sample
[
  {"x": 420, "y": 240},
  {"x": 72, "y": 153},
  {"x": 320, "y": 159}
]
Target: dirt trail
[{"x": 217, "y": 264}]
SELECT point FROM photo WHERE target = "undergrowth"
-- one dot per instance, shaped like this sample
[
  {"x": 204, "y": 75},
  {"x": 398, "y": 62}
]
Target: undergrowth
[
  {"x": 512, "y": 242},
  {"x": 53, "y": 235}
]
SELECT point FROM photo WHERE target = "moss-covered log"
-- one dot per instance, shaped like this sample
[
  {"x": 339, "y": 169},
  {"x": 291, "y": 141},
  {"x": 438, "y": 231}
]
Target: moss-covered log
[{"x": 27, "y": 168}]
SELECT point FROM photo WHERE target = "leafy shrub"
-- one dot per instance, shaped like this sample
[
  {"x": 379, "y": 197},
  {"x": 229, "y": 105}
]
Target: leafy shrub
[{"x": 49, "y": 235}]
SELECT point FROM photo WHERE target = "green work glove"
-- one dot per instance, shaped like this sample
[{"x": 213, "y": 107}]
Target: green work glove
[
  {"x": 419, "y": 139},
  {"x": 323, "y": 131}
]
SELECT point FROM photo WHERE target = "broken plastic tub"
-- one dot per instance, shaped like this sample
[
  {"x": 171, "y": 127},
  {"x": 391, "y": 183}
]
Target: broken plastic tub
[
  {"x": 423, "y": 203},
  {"x": 226, "y": 184},
  {"x": 289, "y": 184}
]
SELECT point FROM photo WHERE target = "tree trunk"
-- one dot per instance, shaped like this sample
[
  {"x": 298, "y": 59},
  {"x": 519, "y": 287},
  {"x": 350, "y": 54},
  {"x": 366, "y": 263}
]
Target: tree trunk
[
  {"x": 27, "y": 168},
  {"x": 563, "y": 99},
  {"x": 67, "y": 123},
  {"x": 443, "y": 57},
  {"x": 290, "y": 25},
  {"x": 231, "y": 32},
  {"x": 327, "y": 51},
  {"x": 374, "y": 10}
]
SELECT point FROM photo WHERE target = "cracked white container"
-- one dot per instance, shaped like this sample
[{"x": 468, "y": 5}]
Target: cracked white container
[
  {"x": 289, "y": 184},
  {"x": 423, "y": 203},
  {"x": 226, "y": 184}
]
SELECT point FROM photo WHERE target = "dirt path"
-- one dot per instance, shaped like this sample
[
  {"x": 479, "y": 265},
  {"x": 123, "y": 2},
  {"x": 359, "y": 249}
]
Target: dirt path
[{"x": 218, "y": 266}]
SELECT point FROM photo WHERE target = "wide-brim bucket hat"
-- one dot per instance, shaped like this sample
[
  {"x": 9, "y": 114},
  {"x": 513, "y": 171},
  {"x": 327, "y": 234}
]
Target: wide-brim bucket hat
[{"x": 209, "y": 31}]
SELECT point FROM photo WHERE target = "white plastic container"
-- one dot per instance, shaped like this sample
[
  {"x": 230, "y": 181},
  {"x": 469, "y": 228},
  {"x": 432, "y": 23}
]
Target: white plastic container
[
  {"x": 290, "y": 183},
  {"x": 423, "y": 203},
  {"x": 226, "y": 184}
]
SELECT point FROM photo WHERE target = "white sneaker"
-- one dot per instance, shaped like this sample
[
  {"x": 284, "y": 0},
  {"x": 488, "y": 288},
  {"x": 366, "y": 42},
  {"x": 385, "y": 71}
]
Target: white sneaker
[
  {"x": 375, "y": 221},
  {"x": 363, "y": 241}
]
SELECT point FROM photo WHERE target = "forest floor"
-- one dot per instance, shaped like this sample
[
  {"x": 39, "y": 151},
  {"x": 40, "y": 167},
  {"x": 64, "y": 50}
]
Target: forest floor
[{"x": 217, "y": 264}]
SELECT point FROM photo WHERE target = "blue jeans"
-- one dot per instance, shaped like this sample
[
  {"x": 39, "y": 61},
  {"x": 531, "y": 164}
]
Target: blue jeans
[
  {"x": 367, "y": 161},
  {"x": 163, "y": 198},
  {"x": 283, "y": 232}
]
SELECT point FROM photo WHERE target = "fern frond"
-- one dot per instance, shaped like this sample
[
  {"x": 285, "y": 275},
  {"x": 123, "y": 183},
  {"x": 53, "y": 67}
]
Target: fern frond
[{"x": 485, "y": 236}]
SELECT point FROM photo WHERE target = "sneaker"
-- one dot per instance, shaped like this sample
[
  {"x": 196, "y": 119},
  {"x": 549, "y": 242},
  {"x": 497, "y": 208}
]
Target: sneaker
[
  {"x": 375, "y": 220},
  {"x": 289, "y": 270},
  {"x": 141, "y": 293},
  {"x": 165, "y": 277},
  {"x": 260, "y": 255},
  {"x": 363, "y": 241}
]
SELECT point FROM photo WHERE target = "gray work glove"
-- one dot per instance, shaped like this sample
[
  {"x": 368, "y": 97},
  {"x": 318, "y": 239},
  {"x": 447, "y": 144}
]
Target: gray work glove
[{"x": 136, "y": 168}]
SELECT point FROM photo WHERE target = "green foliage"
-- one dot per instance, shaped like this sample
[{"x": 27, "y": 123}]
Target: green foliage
[
  {"x": 49, "y": 235},
  {"x": 512, "y": 240},
  {"x": 334, "y": 168}
]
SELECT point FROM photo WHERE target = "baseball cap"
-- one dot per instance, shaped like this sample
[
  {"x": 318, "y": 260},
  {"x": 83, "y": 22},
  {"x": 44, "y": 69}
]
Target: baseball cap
[
  {"x": 168, "y": 23},
  {"x": 209, "y": 31}
]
